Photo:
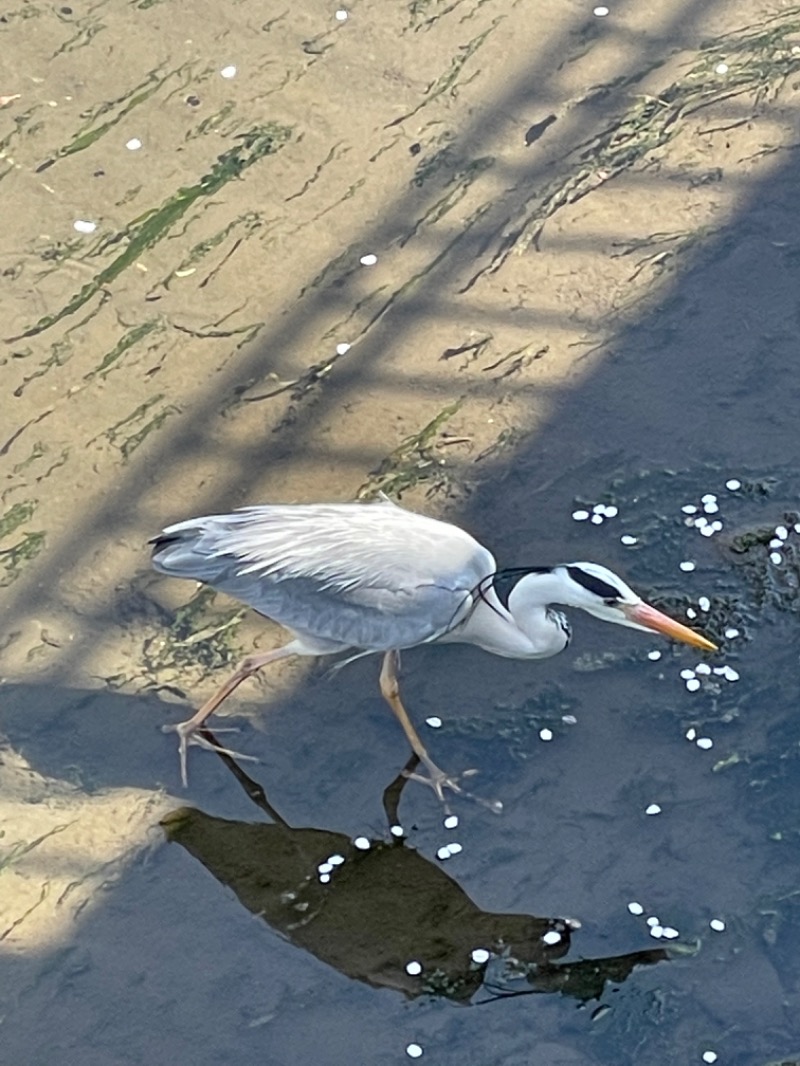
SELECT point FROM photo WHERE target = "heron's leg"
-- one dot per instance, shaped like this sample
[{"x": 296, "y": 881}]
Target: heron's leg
[
  {"x": 438, "y": 779},
  {"x": 390, "y": 689},
  {"x": 247, "y": 667}
]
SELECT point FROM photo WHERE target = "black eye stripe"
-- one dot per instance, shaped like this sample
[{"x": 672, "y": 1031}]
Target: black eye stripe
[{"x": 593, "y": 584}]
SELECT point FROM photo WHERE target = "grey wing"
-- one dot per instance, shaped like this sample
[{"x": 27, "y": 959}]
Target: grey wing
[{"x": 371, "y": 576}]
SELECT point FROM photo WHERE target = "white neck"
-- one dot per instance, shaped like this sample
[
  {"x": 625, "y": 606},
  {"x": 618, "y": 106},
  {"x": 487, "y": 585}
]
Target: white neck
[
  {"x": 528, "y": 604},
  {"x": 526, "y": 630}
]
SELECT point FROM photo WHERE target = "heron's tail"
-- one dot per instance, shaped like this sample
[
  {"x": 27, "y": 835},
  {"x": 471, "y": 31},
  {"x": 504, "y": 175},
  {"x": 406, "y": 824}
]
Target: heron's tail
[{"x": 190, "y": 550}]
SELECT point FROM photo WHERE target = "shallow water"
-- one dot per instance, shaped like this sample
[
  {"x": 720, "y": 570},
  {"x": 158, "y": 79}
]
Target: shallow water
[{"x": 156, "y": 400}]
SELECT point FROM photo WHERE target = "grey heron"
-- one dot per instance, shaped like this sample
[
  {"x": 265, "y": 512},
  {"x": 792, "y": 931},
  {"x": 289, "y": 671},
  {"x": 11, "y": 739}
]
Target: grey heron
[{"x": 360, "y": 578}]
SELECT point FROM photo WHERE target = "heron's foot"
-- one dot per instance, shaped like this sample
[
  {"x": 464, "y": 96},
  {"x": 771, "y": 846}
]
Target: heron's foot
[
  {"x": 439, "y": 780},
  {"x": 190, "y": 733}
]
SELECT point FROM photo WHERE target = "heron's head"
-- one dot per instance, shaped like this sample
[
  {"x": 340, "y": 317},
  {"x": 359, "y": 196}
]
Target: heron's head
[{"x": 599, "y": 591}]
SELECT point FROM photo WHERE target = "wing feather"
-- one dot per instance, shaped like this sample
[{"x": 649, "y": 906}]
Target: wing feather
[{"x": 371, "y": 576}]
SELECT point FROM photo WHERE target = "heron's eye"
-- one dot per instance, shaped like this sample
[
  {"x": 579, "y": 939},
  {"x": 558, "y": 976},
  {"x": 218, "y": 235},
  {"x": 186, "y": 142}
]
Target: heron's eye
[{"x": 614, "y": 602}]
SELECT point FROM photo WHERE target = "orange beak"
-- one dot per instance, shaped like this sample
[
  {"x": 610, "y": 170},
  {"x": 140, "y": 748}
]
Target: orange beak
[{"x": 645, "y": 615}]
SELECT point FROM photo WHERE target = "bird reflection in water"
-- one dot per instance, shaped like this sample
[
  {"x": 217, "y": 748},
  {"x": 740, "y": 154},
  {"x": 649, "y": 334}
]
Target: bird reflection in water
[{"x": 386, "y": 906}]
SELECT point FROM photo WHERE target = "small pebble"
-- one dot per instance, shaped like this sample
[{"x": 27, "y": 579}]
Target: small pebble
[
  {"x": 691, "y": 733},
  {"x": 600, "y": 12},
  {"x": 711, "y": 1056},
  {"x": 781, "y": 532},
  {"x": 689, "y": 508},
  {"x": 362, "y": 843},
  {"x": 730, "y": 674},
  {"x": 720, "y": 68},
  {"x": 397, "y": 831},
  {"x": 717, "y": 925},
  {"x": 228, "y": 72},
  {"x": 669, "y": 933},
  {"x": 733, "y": 484},
  {"x": 480, "y": 956},
  {"x": 796, "y": 527},
  {"x": 716, "y": 526},
  {"x": 343, "y": 348},
  {"x": 635, "y": 908},
  {"x": 687, "y": 674},
  {"x": 324, "y": 868},
  {"x": 627, "y": 539},
  {"x": 705, "y": 743},
  {"x": 434, "y": 722},
  {"x": 707, "y": 531},
  {"x": 597, "y": 519},
  {"x": 776, "y": 558},
  {"x": 368, "y": 260},
  {"x": 341, "y": 15},
  {"x": 545, "y": 734},
  {"x": 775, "y": 543},
  {"x": 656, "y": 931},
  {"x": 691, "y": 612},
  {"x": 413, "y": 1051},
  {"x": 731, "y": 632},
  {"x": 702, "y": 668},
  {"x": 654, "y": 655},
  {"x": 451, "y": 821},
  {"x": 414, "y": 968},
  {"x": 443, "y": 852},
  {"x": 687, "y": 565},
  {"x": 324, "y": 879},
  {"x": 700, "y": 522},
  {"x": 711, "y": 508},
  {"x": 552, "y": 937},
  {"x": 652, "y": 809},
  {"x": 653, "y": 921},
  {"x": 708, "y": 498},
  {"x": 336, "y": 860},
  {"x": 455, "y": 848},
  {"x": 692, "y": 684},
  {"x": 569, "y": 719},
  {"x": 580, "y": 516},
  {"x": 704, "y": 603},
  {"x": 612, "y": 511},
  {"x": 133, "y": 145},
  {"x": 82, "y": 226}
]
